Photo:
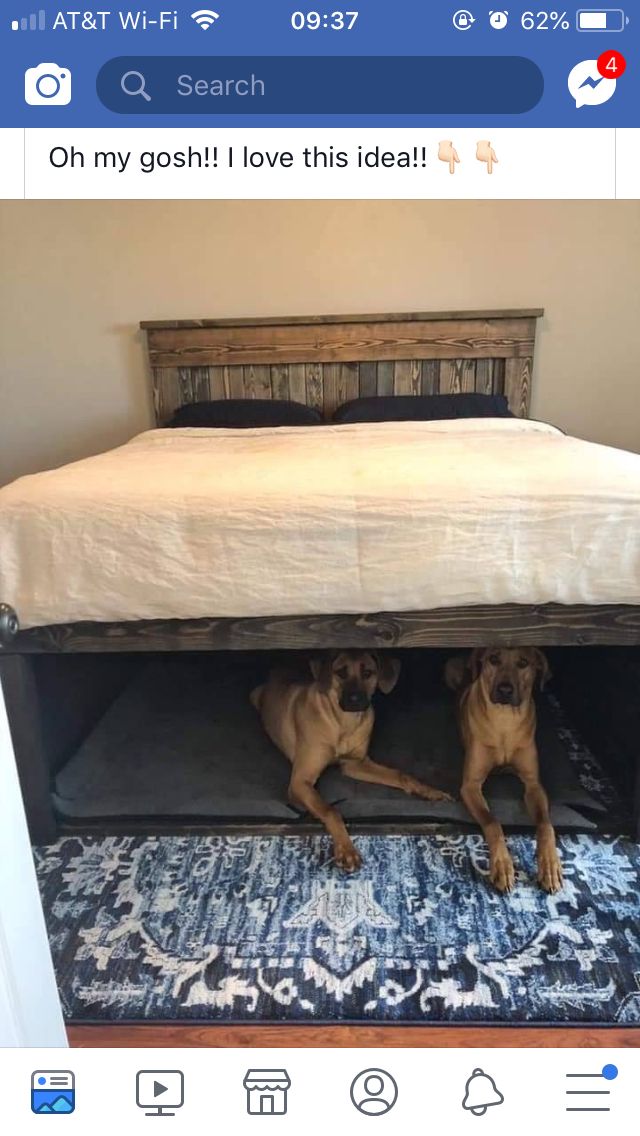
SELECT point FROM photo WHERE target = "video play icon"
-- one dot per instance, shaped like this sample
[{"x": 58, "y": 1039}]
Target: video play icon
[{"x": 159, "y": 1091}]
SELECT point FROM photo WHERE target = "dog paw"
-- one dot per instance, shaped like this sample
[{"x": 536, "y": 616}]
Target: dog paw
[
  {"x": 347, "y": 857},
  {"x": 549, "y": 872},
  {"x": 428, "y": 793},
  {"x": 502, "y": 872},
  {"x": 439, "y": 795}
]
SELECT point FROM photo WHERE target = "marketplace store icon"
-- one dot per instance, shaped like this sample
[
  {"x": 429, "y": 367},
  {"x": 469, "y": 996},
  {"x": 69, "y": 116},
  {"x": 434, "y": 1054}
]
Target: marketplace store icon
[{"x": 267, "y": 1091}]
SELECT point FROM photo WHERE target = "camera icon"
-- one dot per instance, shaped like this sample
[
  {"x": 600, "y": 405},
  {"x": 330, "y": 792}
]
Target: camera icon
[{"x": 47, "y": 85}]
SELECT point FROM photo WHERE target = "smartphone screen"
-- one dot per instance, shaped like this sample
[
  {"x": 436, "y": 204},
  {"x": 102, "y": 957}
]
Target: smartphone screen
[{"x": 319, "y": 565}]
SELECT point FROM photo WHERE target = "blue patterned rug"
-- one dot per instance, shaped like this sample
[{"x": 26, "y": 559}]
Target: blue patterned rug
[{"x": 263, "y": 928}]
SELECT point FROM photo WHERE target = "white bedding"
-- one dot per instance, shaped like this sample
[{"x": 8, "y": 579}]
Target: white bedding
[{"x": 353, "y": 518}]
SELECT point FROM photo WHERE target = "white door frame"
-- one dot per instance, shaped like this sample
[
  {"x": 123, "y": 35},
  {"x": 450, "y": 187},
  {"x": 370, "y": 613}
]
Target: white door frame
[{"x": 30, "y": 1012}]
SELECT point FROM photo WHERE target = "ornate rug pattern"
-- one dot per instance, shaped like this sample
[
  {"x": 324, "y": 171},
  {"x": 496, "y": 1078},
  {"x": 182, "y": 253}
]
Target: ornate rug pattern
[{"x": 263, "y": 928}]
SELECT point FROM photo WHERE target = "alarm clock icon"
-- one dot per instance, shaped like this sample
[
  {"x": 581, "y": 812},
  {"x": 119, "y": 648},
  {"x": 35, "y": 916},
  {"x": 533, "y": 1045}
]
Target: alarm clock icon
[{"x": 498, "y": 20}]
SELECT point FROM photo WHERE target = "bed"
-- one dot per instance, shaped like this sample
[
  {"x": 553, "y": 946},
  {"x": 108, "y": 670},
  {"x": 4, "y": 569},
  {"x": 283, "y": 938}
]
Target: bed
[{"x": 323, "y": 362}]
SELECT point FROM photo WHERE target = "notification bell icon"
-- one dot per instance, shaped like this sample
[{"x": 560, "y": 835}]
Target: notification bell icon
[{"x": 481, "y": 1093}]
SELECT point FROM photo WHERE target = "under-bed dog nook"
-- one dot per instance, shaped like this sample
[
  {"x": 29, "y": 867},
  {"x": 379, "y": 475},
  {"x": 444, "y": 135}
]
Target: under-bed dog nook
[
  {"x": 127, "y": 690},
  {"x": 144, "y": 724}
]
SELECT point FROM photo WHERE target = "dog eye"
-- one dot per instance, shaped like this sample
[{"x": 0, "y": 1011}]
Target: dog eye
[
  {"x": 494, "y": 660},
  {"x": 342, "y": 672},
  {"x": 367, "y": 674},
  {"x": 522, "y": 663}
]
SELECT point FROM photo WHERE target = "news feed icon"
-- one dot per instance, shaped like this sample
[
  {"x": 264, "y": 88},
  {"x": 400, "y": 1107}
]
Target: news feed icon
[
  {"x": 53, "y": 1092},
  {"x": 159, "y": 1091},
  {"x": 47, "y": 85}
]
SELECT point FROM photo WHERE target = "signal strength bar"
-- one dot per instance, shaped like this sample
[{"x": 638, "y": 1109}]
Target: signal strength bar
[{"x": 36, "y": 22}]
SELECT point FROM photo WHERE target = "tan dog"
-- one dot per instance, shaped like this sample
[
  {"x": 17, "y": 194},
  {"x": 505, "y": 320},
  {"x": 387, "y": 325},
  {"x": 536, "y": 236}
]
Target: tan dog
[
  {"x": 498, "y": 725},
  {"x": 328, "y": 721}
]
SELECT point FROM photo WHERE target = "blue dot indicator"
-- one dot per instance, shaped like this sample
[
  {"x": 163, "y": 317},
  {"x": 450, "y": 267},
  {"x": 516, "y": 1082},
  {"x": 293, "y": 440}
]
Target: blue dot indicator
[
  {"x": 42, "y": 1080},
  {"x": 610, "y": 1072}
]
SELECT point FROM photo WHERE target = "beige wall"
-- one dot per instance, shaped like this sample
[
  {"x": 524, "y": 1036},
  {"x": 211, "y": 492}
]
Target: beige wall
[{"x": 76, "y": 278}]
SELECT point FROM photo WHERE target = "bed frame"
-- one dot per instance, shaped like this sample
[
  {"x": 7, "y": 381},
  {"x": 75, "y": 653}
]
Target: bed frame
[
  {"x": 321, "y": 361},
  {"x": 324, "y": 361}
]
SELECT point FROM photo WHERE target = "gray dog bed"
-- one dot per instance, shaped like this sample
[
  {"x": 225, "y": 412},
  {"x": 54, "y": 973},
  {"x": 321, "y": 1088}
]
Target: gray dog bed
[{"x": 182, "y": 741}]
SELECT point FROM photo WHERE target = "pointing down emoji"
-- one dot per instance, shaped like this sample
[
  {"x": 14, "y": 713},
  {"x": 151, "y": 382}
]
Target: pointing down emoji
[
  {"x": 486, "y": 153},
  {"x": 448, "y": 153}
]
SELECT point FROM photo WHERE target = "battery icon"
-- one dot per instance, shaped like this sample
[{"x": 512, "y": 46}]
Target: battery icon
[{"x": 600, "y": 20}]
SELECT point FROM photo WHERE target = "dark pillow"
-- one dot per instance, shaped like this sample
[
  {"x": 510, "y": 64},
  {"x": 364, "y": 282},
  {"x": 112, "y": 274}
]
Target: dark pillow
[
  {"x": 422, "y": 407},
  {"x": 238, "y": 413}
]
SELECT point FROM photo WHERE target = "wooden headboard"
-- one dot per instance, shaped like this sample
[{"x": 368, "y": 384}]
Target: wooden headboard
[{"x": 326, "y": 360}]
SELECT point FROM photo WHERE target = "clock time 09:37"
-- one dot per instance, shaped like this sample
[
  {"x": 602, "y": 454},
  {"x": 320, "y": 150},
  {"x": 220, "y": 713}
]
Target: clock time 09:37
[{"x": 333, "y": 21}]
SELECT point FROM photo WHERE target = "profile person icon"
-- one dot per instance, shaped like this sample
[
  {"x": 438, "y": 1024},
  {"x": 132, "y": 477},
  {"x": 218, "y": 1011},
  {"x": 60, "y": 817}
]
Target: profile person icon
[{"x": 374, "y": 1092}]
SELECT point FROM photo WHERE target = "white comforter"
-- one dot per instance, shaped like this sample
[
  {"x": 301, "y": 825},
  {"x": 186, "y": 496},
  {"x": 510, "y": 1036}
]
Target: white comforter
[{"x": 353, "y": 518}]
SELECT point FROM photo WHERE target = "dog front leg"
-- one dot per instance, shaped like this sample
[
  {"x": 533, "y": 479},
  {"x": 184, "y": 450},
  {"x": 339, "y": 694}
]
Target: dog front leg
[
  {"x": 303, "y": 793},
  {"x": 501, "y": 865},
  {"x": 549, "y": 866},
  {"x": 363, "y": 769}
]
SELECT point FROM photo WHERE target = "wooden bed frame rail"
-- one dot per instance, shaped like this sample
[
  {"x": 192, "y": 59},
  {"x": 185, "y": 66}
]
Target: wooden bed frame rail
[{"x": 549, "y": 625}]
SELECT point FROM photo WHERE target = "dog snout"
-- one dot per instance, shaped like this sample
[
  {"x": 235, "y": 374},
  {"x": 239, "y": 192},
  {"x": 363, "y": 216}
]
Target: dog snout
[
  {"x": 353, "y": 699},
  {"x": 504, "y": 692}
]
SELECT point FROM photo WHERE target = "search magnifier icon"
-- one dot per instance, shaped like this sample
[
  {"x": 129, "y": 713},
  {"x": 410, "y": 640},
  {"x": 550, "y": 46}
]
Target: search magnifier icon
[{"x": 133, "y": 83}]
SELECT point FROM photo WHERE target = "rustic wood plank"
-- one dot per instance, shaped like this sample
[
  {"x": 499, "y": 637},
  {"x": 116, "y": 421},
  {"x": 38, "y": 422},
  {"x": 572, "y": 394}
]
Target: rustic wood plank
[
  {"x": 330, "y": 381},
  {"x": 314, "y": 395},
  {"x": 368, "y": 384},
  {"x": 193, "y": 384},
  {"x": 194, "y": 1035},
  {"x": 430, "y": 382},
  {"x": 485, "y": 376},
  {"x": 535, "y": 625},
  {"x": 498, "y": 376},
  {"x": 216, "y": 382},
  {"x": 257, "y": 382},
  {"x": 380, "y": 317},
  {"x": 407, "y": 377},
  {"x": 457, "y": 376},
  {"x": 331, "y": 343},
  {"x": 450, "y": 376},
  {"x": 517, "y": 385},
  {"x": 297, "y": 382},
  {"x": 233, "y": 378},
  {"x": 467, "y": 375},
  {"x": 280, "y": 381},
  {"x": 166, "y": 393},
  {"x": 385, "y": 379},
  {"x": 348, "y": 384}
]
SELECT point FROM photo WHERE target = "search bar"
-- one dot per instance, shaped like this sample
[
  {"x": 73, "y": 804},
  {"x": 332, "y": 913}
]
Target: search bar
[{"x": 415, "y": 84}]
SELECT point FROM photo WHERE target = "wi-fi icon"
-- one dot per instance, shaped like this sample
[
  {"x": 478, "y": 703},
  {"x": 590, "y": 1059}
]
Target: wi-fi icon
[{"x": 204, "y": 18}]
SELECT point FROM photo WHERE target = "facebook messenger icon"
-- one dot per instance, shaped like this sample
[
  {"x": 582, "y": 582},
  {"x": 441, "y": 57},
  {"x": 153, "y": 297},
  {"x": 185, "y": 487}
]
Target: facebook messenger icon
[{"x": 587, "y": 86}]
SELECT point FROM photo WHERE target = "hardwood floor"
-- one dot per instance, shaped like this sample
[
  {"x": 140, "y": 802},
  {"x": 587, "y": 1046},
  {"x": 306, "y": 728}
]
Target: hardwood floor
[{"x": 348, "y": 1037}]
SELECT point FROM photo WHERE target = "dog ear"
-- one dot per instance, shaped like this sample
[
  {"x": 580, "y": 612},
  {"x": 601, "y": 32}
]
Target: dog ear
[
  {"x": 542, "y": 666},
  {"x": 388, "y": 673},
  {"x": 321, "y": 669},
  {"x": 474, "y": 662}
]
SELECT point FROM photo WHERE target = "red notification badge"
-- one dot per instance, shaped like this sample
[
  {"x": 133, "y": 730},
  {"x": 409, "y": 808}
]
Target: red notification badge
[{"x": 611, "y": 64}]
